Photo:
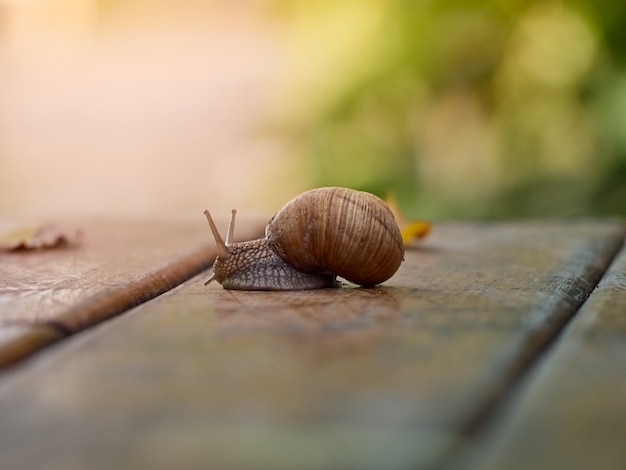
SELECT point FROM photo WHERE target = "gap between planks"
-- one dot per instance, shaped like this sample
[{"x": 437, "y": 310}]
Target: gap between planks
[
  {"x": 525, "y": 355},
  {"x": 103, "y": 306}
]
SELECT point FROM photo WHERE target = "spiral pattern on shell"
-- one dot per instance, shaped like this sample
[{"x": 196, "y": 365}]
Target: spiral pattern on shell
[{"x": 349, "y": 233}]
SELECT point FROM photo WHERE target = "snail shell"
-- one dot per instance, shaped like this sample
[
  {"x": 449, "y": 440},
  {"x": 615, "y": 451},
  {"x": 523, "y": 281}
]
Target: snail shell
[
  {"x": 352, "y": 234},
  {"x": 320, "y": 234}
]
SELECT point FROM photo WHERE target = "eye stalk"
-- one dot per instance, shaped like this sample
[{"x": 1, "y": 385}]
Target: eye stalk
[{"x": 222, "y": 247}]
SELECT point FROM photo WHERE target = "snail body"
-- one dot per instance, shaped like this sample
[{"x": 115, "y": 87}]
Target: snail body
[{"x": 315, "y": 237}]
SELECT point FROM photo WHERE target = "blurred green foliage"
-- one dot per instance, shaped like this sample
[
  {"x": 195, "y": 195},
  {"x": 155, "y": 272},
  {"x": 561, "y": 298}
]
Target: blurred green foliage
[{"x": 465, "y": 108}]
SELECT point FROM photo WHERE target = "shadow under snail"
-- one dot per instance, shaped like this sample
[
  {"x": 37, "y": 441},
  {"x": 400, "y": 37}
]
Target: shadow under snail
[{"x": 318, "y": 235}]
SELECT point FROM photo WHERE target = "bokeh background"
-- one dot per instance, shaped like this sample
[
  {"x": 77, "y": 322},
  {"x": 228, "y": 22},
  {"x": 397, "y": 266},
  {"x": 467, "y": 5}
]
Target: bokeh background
[{"x": 460, "y": 108}]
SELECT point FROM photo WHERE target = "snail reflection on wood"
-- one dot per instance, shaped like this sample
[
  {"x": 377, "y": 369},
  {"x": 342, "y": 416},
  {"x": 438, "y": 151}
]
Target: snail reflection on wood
[{"x": 315, "y": 237}]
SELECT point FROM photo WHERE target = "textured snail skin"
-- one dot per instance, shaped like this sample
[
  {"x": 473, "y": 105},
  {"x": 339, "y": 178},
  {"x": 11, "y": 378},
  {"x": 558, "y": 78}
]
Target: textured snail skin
[{"x": 253, "y": 265}]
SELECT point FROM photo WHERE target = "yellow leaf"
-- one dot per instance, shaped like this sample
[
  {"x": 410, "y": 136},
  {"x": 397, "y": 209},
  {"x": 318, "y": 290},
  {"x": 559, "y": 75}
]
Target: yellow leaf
[
  {"x": 409, "y": 229},
  {"x": 417, "y": 229}
]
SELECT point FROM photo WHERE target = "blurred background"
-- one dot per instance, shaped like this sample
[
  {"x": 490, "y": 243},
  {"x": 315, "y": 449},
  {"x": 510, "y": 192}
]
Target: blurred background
[{"x": 494, "y": 108}]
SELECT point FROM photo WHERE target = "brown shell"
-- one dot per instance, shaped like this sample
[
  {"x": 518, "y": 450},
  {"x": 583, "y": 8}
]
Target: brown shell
[{"x": 349, "y": 233}]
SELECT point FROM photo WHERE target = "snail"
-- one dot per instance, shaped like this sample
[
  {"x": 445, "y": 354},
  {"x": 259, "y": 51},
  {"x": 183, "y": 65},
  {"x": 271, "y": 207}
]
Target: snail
[{"x": 318, "y": 235}]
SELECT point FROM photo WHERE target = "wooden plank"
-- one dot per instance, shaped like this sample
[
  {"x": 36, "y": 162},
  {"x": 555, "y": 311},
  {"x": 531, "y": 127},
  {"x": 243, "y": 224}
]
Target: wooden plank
[
  {"x": 572, "y": 411},
  {"x": 47, "y": 295},
  {"x": 387, "y": 377}
]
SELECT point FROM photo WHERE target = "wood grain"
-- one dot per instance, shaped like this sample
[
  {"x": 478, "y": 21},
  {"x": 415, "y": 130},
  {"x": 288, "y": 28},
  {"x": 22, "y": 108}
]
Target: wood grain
[
  {"x": 49, "y": 294},
  {"x": 572, "y": 411},
  {"x": 389, "y": 377}
]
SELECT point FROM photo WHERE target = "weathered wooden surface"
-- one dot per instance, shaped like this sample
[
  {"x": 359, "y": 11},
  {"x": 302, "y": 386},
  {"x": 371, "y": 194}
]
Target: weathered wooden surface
[
  {"x": 46, "y": 295},
  {"x": 388, "y": 377},
  {"x": 571, "y": 413}
]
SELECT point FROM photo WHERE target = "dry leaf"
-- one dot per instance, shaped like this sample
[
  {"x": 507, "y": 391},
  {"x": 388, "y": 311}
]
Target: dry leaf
[{"x": 34, "y": 237}]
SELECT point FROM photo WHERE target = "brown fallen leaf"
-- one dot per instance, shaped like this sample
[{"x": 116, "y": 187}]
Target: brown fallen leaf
[{"x": 35, "y": 237}]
